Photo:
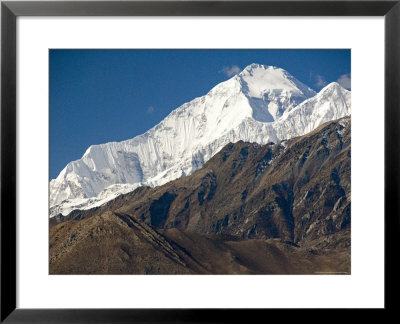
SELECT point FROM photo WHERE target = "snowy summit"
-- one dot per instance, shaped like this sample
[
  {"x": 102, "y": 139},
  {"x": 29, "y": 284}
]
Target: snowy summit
[{"x": 260, "y": 104}]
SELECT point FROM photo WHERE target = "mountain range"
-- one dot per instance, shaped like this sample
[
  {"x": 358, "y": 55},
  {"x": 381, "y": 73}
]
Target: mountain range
[
  {"x": 261, "y": 104},
  {"x": 277, "y": 208}
]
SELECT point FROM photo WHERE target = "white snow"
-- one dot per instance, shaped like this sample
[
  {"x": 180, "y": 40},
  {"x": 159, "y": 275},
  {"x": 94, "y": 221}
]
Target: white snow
[{"x": 261, "y": 104}]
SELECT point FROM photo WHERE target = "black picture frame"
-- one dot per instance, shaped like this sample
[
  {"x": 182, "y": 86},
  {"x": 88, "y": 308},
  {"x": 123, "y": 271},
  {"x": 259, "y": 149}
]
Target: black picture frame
[{"x": 10, "y": 10}]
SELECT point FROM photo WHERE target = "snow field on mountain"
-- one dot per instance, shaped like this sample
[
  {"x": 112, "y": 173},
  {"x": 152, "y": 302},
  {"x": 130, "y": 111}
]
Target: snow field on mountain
[{"x": 261, "y": 104}]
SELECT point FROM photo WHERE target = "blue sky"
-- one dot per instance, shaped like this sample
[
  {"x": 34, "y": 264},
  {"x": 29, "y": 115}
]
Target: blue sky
[{"x": 99, "y": 96}]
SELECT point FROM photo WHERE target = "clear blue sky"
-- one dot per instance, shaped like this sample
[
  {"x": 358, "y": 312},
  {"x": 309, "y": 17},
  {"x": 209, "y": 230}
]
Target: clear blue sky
[{"x": 98, "y": 96}]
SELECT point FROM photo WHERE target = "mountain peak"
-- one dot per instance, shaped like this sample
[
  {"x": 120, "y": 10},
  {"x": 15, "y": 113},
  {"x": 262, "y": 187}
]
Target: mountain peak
[
  {"x": 331, "y": 89},
  {"x": 260, "y": 78},
  {"x": 248, "y": 107},
  {"x": 333, "y": 85},
  {"x": 271, "y": 90},
  {"x": 254, "y": 66}
]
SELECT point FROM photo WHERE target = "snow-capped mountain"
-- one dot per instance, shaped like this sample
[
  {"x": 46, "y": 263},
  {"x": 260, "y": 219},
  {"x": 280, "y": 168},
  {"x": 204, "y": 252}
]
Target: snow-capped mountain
[{"x": 261, "y": 104}]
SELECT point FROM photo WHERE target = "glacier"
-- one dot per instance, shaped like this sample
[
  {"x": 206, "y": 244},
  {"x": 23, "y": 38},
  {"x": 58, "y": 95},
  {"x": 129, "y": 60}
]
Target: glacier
[{"x": 260, "y": 104}]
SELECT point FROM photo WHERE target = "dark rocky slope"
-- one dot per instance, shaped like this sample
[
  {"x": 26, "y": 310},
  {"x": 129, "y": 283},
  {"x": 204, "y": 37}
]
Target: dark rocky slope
[{"x": 290, "y": 200}]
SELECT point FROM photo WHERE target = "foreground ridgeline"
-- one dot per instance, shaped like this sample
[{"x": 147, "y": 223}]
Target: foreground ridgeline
[
  {"x": 279, "y": 208},
  {"x": 261, "y": 104}
]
